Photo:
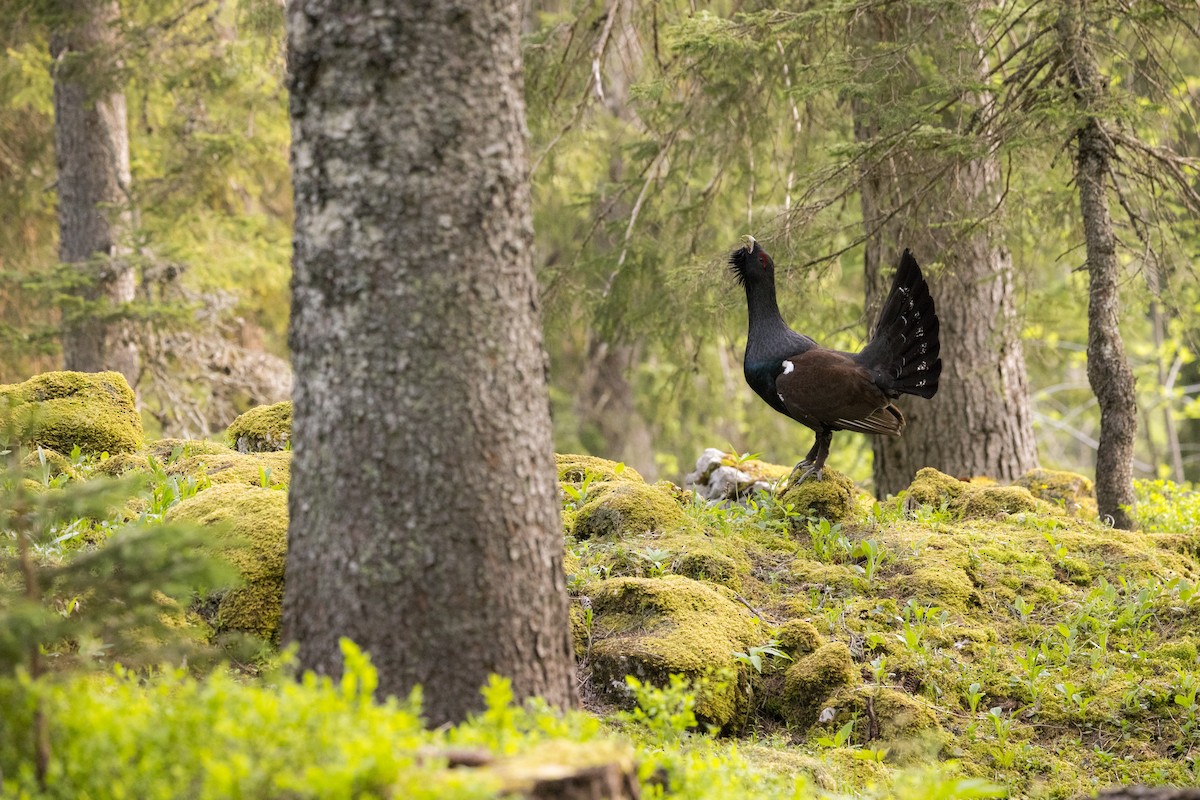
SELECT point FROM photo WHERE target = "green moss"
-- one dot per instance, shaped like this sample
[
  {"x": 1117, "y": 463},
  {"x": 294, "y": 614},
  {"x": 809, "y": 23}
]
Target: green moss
[
  {"x": 832, "y": 497},
  {"x": 52, "y": 461},
  {"x": 897, "y": 715},
  {"x": 798, "y": 637},
  {"x": 939, "y": 584},
  {"x": 837, "y": 577},
  {"x": 708, "y": 565},
  {"x": 624, "y": 508},
  {"x": 164, "y": 449},
  {"x": 989, "y": 502},
  {"x": 759, "y": 470},
  {"x": 1068, "y": 490},
  {"x": 243, "y": 468},
  {"x": 653, "y": 627},
  {"x": 250, "y": 529},
  {"x": 262, "y": 429},
  {"x": 161, "y": 451},
  {"x": 1183, "y": 651},
  {"x": 577, "y": 468},
  {"x": 810, "y": 681},
  {"x": 933, "y": 488},
  {"x": 60, "y": 410}
]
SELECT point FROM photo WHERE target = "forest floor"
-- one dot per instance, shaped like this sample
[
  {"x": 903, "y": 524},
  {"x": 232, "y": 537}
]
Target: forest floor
[{"x": 962, "y": 639}]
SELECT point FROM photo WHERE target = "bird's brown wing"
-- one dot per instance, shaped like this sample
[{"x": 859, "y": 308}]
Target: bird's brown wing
[{"x": 826, "y": 388}]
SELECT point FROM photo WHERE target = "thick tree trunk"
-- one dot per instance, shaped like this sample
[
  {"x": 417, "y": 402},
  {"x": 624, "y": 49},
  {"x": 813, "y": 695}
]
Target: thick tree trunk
[
  {"x": 424, "y": 510},
  {"x": 980, "y": 422},
  {"x": 1108, "y": 369},
  {"x": 91, "y": 140}
]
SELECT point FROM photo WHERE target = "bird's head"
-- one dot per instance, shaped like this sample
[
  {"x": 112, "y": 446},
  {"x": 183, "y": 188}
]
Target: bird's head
[{"x": 751, "y": 263}]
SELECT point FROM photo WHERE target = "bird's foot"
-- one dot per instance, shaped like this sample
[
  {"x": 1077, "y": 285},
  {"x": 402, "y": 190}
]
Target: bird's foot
[{"x": 806, "y": 469}]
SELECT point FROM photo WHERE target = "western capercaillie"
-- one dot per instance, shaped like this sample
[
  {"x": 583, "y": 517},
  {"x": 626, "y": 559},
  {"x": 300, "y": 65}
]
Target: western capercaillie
[{"x": 829, "y": 390}]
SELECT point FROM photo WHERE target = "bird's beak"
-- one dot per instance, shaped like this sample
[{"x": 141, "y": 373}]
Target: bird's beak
[{"x": 748, "y": 242}]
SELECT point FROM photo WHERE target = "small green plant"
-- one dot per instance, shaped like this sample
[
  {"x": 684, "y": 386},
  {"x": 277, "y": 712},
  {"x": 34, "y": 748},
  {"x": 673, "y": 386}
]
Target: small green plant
[
  {"x": 974, "y": 696},
  {"x": 577, "y": 496},
  {"x": 737, "y": 459},
  {"x": 668, "y": 712},
  {"x": 754, "y": 657},
  {"x": 657, "y": 558},
  {"x": 827, "y": 540},
  {"x": 1073, "y": 697},
  {"x": 1023, "y": 608},
  {"x": 879, "y": 670},
  {"x": 839, "y": 738},
  {"x": 1001, "y": 725}
]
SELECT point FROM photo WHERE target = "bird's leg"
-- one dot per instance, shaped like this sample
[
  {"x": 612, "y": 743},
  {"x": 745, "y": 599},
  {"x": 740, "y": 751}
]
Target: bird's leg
[
  {"x": 814, "y": 462},
  {"x": 812, "y": 454}
]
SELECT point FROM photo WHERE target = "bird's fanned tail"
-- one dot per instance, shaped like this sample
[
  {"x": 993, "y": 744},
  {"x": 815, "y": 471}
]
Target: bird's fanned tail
[{"x": 903, "y": 352}]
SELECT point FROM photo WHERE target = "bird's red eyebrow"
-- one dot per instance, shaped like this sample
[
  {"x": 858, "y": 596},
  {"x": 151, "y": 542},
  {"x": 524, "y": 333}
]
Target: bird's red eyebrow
[{"x": 762, "y": 258}]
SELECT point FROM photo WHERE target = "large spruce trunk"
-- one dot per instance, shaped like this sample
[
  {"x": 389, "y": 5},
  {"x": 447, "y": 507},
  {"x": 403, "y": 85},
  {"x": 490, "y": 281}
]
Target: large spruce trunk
[
  {"x": 939, "y": 206},
  {"x": 91, "y": 139},
  {"x": 424, "y": 507},
  {"x": 1108, "y": 369}
]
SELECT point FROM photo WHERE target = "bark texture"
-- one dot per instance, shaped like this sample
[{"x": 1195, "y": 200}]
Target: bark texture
[
  {"x": 980, "y": 422},
  {"x": 424, "y": 507},
  {"x": 1107, "y": 367},
  {"x": 91, "y": 138}
]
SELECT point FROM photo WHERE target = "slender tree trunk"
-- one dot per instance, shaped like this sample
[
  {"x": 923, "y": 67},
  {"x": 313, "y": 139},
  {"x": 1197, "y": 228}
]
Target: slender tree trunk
[
  {"x": 1108, "y": 369},
  {"x": 424, "y": 510},
  {"x": 980, "y": 422},
  {"x": 91, "y": 140}
]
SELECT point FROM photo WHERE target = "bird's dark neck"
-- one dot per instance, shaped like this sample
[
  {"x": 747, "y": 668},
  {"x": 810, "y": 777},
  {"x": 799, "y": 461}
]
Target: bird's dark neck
[{"x": 769, "y": 336}]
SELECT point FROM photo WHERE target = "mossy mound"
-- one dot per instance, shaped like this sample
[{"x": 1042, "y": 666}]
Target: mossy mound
[
  {"x": 1072, "y": 492},
  {"x": 905, "y": 725},
  {"x": 810, "y": 682},
  {"x": 575, "y": 469},
  {"x": 262, "y": 429},
  {"x": 653, "y": 627},
  {"x": 250, "y": 469},
  {"x": 975, "y": 499},
  {"x": 939, "y": 583},
  {"x": 932, "y": 488},
  {"x": 250, "y": 529},
  {"x": 626, "y": 508},
  {"x": 60, "y": 410},
  {"x": 798, "y": 637},
  {"x": 53, "y": 462},
  {"x": 164, "y": 451},
  {"x": 832, "y": 497}
]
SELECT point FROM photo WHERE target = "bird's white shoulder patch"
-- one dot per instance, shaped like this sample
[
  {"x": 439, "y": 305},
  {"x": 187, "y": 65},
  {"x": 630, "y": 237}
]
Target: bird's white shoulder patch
[{"x": 788, "y": 367}]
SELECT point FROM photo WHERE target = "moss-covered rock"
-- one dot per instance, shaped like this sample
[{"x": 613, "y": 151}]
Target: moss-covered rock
[
  {"x": 810, "y": 681},
  {"x": 653, "y": 627},
  {"x": 250, "y": 469},
  {"x": 262, "y": 429},
  {"x": 932, "y": 488},
  {"x": 798, "y": 637},
  {"x": 1072, "y": 492},
  {"x": 576, "y": 469},
  {"x": 626, "y": 508},
  {"x": 832, "y": 497},
  {"x": 975, "y": 499},
  {"x": 249, "y": 529},
  {"x": 989, "y": 502},
  {"x": 60, "y": 410}
]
